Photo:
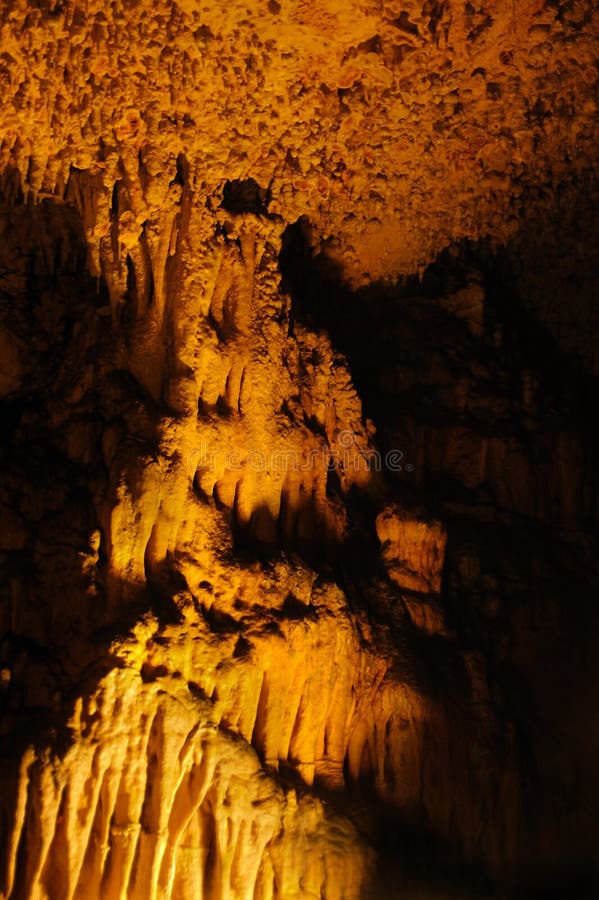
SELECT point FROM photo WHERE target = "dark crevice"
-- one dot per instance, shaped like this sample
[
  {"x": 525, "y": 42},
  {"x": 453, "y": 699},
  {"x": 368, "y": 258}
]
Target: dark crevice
[
  {"x": 182, "y": 171},
  {"x": 131, "y": 297},
  {"x": 114, "y": 205},
  {"x": 245, "y": 196}
]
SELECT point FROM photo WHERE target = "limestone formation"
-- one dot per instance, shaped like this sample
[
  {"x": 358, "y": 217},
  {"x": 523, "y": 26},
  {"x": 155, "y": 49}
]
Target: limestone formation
[{"x": 299, "y": 496}]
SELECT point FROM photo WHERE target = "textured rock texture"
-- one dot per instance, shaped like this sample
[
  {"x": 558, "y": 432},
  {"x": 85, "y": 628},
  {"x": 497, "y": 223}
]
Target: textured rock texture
[{"x": 299, "y": 496}]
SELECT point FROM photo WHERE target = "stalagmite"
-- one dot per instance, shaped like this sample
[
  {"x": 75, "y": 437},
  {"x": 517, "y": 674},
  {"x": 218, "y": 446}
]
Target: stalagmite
[{"x": 300, "y": 488}]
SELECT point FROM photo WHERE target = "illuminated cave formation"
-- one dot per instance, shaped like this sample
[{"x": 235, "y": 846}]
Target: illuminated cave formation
[{"x": 298, "y": 512}]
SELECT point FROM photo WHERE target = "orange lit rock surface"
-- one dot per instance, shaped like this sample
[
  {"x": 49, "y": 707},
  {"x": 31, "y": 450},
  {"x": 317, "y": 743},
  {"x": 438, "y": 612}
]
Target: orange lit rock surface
[
  {"x": 396, "y": 127},
  {"x": 267, "y": 592}
]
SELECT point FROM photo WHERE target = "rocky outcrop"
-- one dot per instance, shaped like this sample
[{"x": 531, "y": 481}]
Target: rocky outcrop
[
  {"x": 152, "y": 799},
  {"x": 286, "y": 536}
]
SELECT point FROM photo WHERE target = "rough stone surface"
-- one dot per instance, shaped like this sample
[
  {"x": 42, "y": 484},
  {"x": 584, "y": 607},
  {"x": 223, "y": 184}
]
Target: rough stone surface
[{"x": 299, "y": 497}]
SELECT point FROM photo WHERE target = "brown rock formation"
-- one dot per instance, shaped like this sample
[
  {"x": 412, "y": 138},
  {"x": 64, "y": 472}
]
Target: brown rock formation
[{"x": 299, "y": 497}]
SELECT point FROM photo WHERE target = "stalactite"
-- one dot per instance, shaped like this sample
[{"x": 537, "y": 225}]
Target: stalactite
[{"x": 297, "y": 512}]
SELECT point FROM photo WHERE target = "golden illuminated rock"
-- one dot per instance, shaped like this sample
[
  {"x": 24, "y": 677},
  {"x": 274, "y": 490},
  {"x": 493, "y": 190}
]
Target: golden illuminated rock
[
  {"x": 290, "y": 505},
  {"x": 152, "y": 799}
]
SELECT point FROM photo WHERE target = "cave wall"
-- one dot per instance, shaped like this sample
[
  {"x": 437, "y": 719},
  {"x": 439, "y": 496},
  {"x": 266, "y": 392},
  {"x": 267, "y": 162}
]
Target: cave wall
[{"x": 299, "y": 497}]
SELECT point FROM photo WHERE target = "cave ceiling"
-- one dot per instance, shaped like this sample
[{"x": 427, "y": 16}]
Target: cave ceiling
[{"x": 396, "y": 128}]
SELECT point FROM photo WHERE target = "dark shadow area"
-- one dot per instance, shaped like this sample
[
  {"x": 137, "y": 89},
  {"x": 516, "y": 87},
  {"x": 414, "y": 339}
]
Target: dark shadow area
[
  {"x": 496, "y": 420},
  {"x": 245, "y": 196},
  {"x": 300, "y": 527},
  {"x": 56, "y": 621},
  {"x": 447, "y": 367},
  {"x": 365, "y": 324}
]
